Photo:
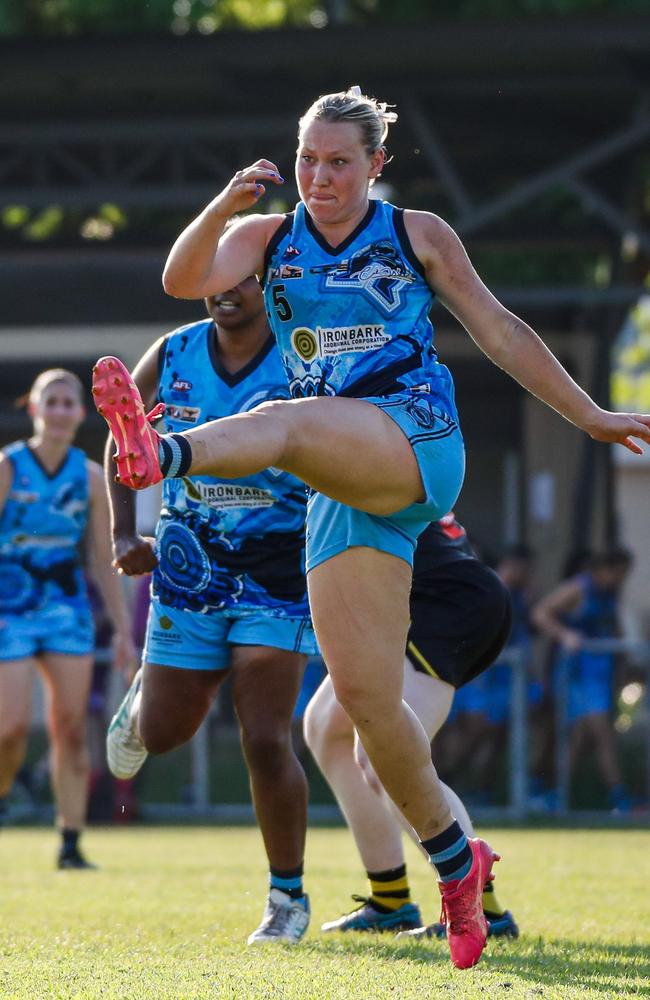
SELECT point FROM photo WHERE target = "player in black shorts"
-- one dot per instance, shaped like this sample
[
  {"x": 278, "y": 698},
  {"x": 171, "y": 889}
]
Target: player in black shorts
[{"x": 460, "y": 621}]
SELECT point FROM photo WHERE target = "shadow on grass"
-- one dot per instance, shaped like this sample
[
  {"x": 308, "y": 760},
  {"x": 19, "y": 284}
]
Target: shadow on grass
[{"x": 595, "y": 965}]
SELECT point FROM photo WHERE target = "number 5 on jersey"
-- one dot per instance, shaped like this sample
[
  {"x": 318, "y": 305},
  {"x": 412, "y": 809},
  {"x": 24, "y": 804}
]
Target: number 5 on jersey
[{"x": 282, "y": 307}]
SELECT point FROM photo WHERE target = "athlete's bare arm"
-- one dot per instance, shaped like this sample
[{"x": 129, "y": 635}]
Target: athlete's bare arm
[
  {"x": 133, "y": 554},
  {"x": 206, "y": 259},
  {"x": 6, "y": 475},
  {"x": 547, "y": 614},
  {"x": 507, "y": 340},
  {"x": 103, "y": 572}
]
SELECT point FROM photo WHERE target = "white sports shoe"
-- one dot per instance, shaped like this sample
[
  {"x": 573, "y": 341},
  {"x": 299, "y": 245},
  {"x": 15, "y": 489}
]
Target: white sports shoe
[
  {"x": 125, "y": 750},
  {"x": 285, "y": 919}
]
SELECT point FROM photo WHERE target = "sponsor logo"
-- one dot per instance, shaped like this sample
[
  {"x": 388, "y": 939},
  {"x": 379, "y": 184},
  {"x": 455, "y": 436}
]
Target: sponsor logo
[
  {"x": 166, "y": 623},
  {"x": 182, "y": 385},
  {"x": 292, "y": 251},
  {"x": 286, "y": 272},
  {"x": 304, "y": 343},
  {"x": 330, "y": 341},
  {"x": 232, "y": 495},
  {"x": 24, "y": 496},
  {"x": 187, "y": 414},
  {"x": 377, "y": 269},
  {"x": 169, "y": 638}
]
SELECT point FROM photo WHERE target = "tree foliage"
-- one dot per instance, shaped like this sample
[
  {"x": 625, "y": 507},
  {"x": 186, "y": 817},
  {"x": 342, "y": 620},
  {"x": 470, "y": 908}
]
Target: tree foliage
[{"x": 43, "y": 17}]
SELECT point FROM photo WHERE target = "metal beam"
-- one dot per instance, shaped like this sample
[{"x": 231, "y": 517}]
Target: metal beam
[
  {"x": 615, "y": 219},
  {"x": 600, "y": 152},
  {"x": 435, "y": 153}
]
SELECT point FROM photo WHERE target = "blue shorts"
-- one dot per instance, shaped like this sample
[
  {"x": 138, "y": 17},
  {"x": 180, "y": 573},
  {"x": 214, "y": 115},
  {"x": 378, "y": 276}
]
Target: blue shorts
[
  {"x": 437, "y": 443},
  {"x": 56, "y": 628},
  {"x": 589, "y": 686},
  {"x": 192, "y": 641},
  {"x": 313, "y": 677}
]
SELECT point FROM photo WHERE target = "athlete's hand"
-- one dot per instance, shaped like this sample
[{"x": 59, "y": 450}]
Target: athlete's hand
[
  {"x": 367, "y": 769},
  {"x": 571, "y": 640},
  {"x": 125, "y": 657},
  {"x": 134, "y": 555},
  {"x": 620, "y": 428},
  {"x": 247, "y": 187}
]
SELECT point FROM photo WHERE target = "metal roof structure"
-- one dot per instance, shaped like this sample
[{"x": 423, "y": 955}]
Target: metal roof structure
[{"x": 505, "y": 127}]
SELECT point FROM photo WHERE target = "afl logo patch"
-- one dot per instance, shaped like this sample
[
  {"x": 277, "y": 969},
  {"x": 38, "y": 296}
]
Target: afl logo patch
[
  {"x": 181, "y": 385},
  {"x": 304, "y": 343}
]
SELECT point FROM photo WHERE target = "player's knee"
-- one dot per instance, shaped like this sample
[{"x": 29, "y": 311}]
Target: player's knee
[
  {"x": 361, "y": 703},
  {"x": 277, "y": 416},
  {"x": 325, "y": 725},
  {"x": 267, "y": 750},
  {"x": 313, "y": 729},
  {"x": 69, "y": 731},
  {"x": 159, "y": 740}
]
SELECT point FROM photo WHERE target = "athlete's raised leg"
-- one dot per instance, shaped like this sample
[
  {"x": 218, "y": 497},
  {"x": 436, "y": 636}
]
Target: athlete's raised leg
[
  {"x": 162, "y": 709},
  {"x": 175, "y": 701},
  {"x": 285, "y": 434}
]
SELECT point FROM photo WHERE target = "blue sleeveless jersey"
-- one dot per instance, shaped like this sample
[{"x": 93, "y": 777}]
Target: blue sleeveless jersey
[
  {"x": 41, "y": 525},
  {"x": 597, "y": 615},
  {"x": 353, "y": 321},
  {"x": 226, "y": 543}
]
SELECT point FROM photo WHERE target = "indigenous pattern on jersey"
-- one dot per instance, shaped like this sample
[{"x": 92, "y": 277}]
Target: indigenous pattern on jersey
[
  {"x": 41, "y": 526},
  {"x": 353, "y": 320},
  {"x": 226, "y": 543}
]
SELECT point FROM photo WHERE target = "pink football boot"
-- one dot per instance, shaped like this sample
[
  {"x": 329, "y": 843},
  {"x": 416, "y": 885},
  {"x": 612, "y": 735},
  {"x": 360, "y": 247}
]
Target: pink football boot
[
  {"x": 462, "y": 907},
  {"x": 119, "y": 402}
]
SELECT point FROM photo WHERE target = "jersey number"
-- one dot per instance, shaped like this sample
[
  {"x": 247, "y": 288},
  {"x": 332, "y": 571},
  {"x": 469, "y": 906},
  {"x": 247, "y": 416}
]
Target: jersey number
[{"x": 282, "y": 307}]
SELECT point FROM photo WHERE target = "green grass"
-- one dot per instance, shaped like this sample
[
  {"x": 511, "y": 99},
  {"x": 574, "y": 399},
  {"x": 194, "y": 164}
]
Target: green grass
[{"x": 168, "y": 915}]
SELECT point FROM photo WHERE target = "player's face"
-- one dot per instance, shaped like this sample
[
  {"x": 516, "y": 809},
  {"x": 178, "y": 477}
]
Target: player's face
[
  {"x": 57, "y": 412},
  {"x": 333, "y": 171},
  {"x": 239, "y": 306}
]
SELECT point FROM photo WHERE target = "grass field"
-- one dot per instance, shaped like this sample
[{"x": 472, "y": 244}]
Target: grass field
[{"x": 168, "y": 915}]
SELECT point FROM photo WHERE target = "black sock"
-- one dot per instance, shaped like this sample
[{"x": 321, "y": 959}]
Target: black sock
[
  {"x": 70, "y": 840},
  {"x": 174, "y": 455}
]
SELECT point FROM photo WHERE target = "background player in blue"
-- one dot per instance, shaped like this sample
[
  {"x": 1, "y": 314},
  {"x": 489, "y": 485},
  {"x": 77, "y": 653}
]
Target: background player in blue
[
  {"x": 372, "y": 427},
  {"x": 228, "y": 589},
  {"x": 51, "y": 498},
  {"x": 582, "y": 608},
  {"x": 460, "y": 620}
]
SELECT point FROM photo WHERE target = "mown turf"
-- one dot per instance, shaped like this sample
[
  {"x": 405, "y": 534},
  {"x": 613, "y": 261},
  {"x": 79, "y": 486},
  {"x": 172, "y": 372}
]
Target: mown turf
[{"x": 168, "y": 914}]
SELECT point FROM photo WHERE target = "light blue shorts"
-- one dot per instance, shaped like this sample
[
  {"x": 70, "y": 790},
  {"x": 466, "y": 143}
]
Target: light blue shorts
[
  {"x": 56, "y": 628},
  {"x": 437, "y": 443},
  {"x": 192, "y": 641}
]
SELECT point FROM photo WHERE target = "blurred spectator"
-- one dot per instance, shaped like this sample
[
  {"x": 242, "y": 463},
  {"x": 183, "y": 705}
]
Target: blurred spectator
[
  {"x": 482, "y": 709},
  {"x": 579, "y": 611}
]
